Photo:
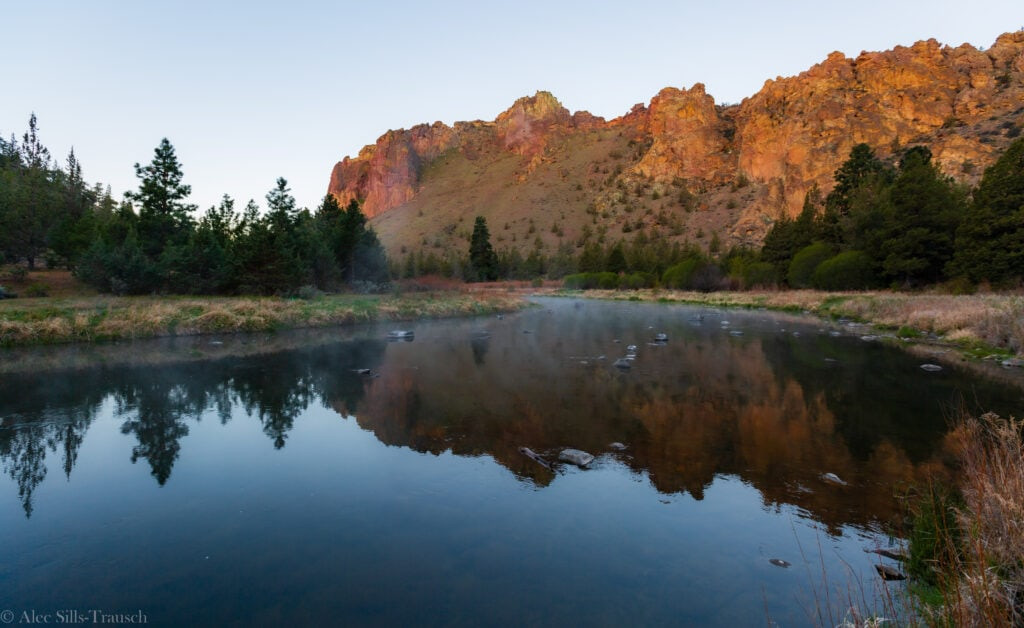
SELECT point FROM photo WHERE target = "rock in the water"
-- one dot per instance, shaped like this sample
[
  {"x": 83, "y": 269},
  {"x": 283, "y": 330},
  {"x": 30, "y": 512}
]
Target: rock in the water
[
  {"x": 400, "y": 334},
  {"x": 662, "y": 337},
  {"x": 1013, "y": 363},
  {"x": 617, "y": 446},
  {"x": 931, "y": 368},
  {"x": 532, "y": 455},
  {"x": 576, "y": 457},
  {"x": 362, "y": 371},
  {"x": 888, "y": 573},
  {"x": 869, "y": 338},
  {"x": 623, "y": 363},
  {"x": 736, "y": 332},
  {"x": 832, "y": 478},
  {"x": 778, "y": 562},
  {"x": 895, "y": 554}
]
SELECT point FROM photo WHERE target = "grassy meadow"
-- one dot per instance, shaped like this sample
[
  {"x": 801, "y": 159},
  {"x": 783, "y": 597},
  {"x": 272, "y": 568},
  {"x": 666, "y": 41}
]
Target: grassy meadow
[
  {"x": 979, "y": 324},
  {"x": 81, "y": 317}
]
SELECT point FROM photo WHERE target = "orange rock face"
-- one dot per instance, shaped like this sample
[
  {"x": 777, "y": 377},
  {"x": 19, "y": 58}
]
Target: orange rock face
[{"x": 963, "y": 103}]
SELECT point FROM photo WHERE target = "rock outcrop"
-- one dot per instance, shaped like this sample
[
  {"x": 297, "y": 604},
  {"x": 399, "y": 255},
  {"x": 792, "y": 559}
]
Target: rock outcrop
[{"x": 734, "y": 169}]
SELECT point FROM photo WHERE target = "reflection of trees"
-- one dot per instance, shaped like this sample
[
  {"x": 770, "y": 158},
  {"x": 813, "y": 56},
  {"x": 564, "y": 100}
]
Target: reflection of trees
[
  {"x": 765, "y": 408},
  {"x": 156, "y": 413},
  {"x": 40, "y": 415},
  {"x": 52, "y": 414}
]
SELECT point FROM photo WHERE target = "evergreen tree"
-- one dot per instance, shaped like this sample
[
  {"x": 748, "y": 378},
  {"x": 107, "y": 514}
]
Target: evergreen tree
[
  {"x": 369, "y": 261},
  {"x": 30, "y": 198},
  {"x": 164, "y": 218},
  {"x": 204, "y": 264},
  {"x": 861, "y": 169},
  {"x": 483, "y": 263},
  {"x": 75, "y": 227},
  {"x": 990, "y": 242},
  {"x": 788, "y": 236},
  {"x": 926, "y": 210},
  {"x": 617, "y": 258}
]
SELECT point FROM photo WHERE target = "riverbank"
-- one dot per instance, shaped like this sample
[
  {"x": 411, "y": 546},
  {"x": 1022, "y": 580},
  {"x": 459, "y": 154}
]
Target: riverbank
[
  {"x": 43, "y": 321},
  {"x": 981, "y": 326}
]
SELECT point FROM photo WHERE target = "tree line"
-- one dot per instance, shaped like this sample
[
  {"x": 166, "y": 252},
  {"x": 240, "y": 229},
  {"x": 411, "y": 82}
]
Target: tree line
[
  {"x": 151, "y": 242},
  {"x": 902, "y": 225},
  {"x": 905, "y": 226}
]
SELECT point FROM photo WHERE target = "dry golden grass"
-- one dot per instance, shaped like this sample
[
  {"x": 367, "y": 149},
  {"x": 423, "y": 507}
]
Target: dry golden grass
[
  {"x": 983, "y": 582},
  {"x": 996, "y": 320},
  {"x": 49, "y": 321}
]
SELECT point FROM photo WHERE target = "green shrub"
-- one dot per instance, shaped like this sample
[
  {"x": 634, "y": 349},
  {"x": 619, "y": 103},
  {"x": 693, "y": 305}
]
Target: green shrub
[
  {"x": 850, "y": 270},
  {"x": 678, "y": 277},
  {"x": 607, "y": 281},
  {"x": 693, "y": 274},
  {"x": 805, "y": 262},
  {"x": 589, "y": 281},
  {"x": 575, "y": 282},
  {"x": 636, "y": 281},
  {"x": 37, "y": 290},
  {"x": 759, "y": 274}
]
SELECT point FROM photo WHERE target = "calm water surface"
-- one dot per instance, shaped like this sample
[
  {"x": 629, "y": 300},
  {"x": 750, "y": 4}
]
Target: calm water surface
[{"x": 262, "y": 480}]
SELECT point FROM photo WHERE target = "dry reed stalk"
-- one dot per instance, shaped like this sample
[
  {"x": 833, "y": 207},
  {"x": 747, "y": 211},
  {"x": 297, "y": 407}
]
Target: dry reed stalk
[{"x": 987, "y": 576}]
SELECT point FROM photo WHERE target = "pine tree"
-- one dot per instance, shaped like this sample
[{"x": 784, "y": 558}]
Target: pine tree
[
  {"x": 990, "y": 242},
  {"x": 926, "y": 208},
  {"x": 164, "y": 218},
  {"x": 30, "y": 201},
  {"x": 482, "y": 260}
]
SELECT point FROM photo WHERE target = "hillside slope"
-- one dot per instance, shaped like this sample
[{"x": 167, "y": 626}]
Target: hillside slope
[{"x": 683, "y": 167}]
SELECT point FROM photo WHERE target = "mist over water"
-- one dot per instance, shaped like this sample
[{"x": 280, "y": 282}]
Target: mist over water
[{"x": 267, "y": 479}]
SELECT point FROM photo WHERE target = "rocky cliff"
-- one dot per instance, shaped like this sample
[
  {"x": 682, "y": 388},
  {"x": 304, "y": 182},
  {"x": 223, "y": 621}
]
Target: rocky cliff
[{"x": 683, "y": 166}]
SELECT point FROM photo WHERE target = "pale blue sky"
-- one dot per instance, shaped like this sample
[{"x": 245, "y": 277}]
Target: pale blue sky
[{"x": 251, "y": 91}]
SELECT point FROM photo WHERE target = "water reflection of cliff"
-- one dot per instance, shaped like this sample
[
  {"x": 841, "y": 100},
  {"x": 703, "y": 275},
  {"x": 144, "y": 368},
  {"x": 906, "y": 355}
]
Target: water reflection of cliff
[{"x": 766, "y": 406}]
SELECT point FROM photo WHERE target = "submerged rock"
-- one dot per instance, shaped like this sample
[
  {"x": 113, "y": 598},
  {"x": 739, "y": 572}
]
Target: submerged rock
[
  {"x": 617, "y": 446},
  {"x": 778, "y": 562},
  {"x": 832, "y": 478},
  {"x": 532, "y": 455},
  {"x": 576, "y": 457},
  {"x": 401, "y": 334},
  {"x": 888, "y": 573},
  {"x": 932, "y": 368},
  {"x": 895, "y": 553},
  {"x": 736, "y": 332}
]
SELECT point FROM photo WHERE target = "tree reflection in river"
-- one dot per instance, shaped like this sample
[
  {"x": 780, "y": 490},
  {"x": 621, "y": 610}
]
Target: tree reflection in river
[{"x": 772, "y": 408}]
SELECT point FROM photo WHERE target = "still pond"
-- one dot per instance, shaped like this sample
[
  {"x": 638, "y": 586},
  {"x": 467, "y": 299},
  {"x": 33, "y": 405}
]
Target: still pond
[{"x": 255, "y": 480}]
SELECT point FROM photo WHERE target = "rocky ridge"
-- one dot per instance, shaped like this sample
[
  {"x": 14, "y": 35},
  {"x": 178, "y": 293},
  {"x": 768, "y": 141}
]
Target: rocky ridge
[{"x": 684, "y": 166}]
